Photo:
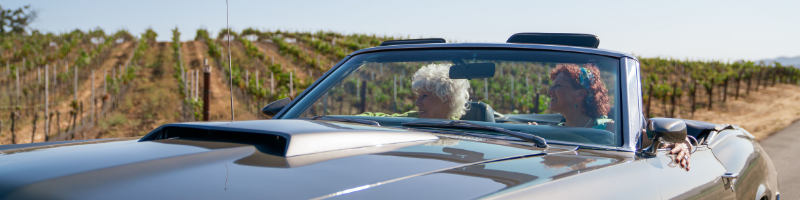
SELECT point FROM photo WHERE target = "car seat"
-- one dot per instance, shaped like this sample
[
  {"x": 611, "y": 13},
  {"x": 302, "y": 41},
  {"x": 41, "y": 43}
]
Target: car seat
[{"x": 479, "y": 111}]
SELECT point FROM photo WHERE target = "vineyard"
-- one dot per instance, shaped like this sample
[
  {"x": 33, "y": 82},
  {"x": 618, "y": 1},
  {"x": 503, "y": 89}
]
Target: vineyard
[{"x": 86, "y": 85}]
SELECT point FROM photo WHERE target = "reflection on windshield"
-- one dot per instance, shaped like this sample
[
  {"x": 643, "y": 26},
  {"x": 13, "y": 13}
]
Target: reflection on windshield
[{"x": 494, "y": 86}]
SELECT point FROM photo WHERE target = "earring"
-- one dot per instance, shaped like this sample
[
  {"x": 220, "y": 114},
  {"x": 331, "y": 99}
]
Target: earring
[{"x": 576, "y": 105}]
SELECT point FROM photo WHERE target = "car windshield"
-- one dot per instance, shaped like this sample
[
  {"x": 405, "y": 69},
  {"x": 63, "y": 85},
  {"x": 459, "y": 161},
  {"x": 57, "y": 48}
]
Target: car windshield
[{"x": 560, "y": 96}]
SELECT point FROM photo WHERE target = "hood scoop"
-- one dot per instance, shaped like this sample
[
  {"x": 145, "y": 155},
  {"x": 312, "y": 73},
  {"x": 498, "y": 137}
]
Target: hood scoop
[{"x": 289, "y": 138}]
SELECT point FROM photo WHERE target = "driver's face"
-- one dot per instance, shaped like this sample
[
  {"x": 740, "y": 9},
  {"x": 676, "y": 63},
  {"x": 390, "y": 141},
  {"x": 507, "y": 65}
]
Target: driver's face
[
  {"x": 562, "y": 96},
  {"x": 431, "y": 106}
]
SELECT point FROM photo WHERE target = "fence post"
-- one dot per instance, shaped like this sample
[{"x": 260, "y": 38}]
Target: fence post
[
  {"x": 363, "y": 96},
  {"x": 46, "y": 100},
  {"x": 536, "y": 105},
  {"x": 13, "y": 126},
  {"x": 649, "y": 99},
  {"x": 394, "y": 94},
  {"x": 291, "y": 85},
  {"x": 738, "y": 84},
  {"x": 725, "y": 89},
  {"x": 17, "y": 79},
  {"x": 486, "y": 89},
  {"x": 206, "y": 91},
  {"x": 271, "y": 83},
  {"x": 710, "y": 94},
  {"x": 91, "y": 119},
  {"x": 76, "y": 83},
  {"x": 33, "y": 133}
]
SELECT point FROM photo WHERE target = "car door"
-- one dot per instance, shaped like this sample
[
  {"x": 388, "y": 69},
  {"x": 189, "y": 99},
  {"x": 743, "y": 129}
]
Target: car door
[{"x": 702, "y": 181}]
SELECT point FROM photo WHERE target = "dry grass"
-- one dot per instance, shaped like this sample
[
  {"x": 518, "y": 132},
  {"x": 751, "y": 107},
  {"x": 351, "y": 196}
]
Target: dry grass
[{"x": 762, "y": 113}]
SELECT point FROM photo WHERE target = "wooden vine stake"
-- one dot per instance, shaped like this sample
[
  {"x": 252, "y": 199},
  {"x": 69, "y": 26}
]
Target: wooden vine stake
[
  {"x": 206, "y": 90},
  {"x": 46, "y": 101}
]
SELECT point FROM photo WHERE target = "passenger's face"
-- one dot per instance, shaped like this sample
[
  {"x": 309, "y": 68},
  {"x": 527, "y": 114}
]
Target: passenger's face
[
  {"x": 431, "y": 106},
  {"x": 563, "y": 97}
]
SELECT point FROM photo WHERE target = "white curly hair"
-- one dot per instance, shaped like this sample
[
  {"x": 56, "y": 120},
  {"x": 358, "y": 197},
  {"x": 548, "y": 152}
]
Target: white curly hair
[{"x": 435, "y": 78}]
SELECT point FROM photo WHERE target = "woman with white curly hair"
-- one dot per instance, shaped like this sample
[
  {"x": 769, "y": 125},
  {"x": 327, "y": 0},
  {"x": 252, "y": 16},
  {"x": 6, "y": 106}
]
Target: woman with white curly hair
[{"x": 438, "y": 96}]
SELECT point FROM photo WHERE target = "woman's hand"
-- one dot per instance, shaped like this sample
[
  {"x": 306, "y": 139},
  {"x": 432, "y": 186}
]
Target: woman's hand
[{"x": 683, "y": 152}]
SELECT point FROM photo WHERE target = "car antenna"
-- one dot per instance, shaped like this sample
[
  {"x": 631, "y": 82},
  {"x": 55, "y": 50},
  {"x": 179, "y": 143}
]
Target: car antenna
[{"x": 230, "y": 62}]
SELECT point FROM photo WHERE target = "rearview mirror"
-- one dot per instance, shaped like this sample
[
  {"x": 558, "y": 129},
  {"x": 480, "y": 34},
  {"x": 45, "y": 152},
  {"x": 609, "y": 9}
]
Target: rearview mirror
[
  {"x": 471, "y": 71},
  {"x": 276, "y": 106},
  {"x": 664, "y": 130}
]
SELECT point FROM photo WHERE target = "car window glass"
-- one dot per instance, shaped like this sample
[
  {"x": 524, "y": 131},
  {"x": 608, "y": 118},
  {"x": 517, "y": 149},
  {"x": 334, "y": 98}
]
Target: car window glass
[{"x": 380, "y": 87}]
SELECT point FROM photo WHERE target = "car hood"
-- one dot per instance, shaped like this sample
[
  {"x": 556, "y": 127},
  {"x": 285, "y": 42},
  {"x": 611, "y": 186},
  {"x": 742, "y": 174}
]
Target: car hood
[{"x": 450, "y": 167}]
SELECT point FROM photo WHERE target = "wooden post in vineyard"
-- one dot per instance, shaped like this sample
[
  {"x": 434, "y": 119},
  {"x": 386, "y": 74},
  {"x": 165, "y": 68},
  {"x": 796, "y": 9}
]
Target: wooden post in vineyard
[
  {"x": 271, "y": 83},
  {"x": 725, "y": 89},
  {"x": 486, "y": 89},
  {"x": 46, "y": 100},
  {"x": 13, "y": 124},
  {"x": 693, "y": 89},
  {"x": 17, "y": 79},
  {"x": 758, "y": 80},
  {"x": 258, "y": 85},
  {"x": 363, "y": 106},
  {"x": 512, "y": 91},
  {"x": 649, "y": 99},
  {"x": 291, "y": 85},
  {"x": 710, "y": 93},
  {"x": 33, "y": 133},
  {"x": 738, "y": 83},
  {"x": 206, "y": 91},
  {"x": 91, "y": 119},
  {"x": 749, "y": 81},
  {"x": 672, "y": 98},
  {"x": 76, "y": 83},
  {"x": 777, "y": 76},
  {"x": 196, "y": 84},
  {"x": 394, "y": 94}
]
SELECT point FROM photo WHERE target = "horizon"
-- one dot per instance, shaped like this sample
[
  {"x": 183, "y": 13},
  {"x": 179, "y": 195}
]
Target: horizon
[{"x": 680, "y": 30}]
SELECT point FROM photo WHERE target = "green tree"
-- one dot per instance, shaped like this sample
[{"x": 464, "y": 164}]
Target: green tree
[{"x": 15, "y": 21}]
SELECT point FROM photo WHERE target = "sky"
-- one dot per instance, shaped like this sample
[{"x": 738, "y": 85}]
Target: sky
[{"x": 707, "y": 30}]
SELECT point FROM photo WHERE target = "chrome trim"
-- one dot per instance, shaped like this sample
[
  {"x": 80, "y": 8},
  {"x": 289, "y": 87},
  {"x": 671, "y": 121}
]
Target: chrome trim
[{"x": 630, "y": 103}]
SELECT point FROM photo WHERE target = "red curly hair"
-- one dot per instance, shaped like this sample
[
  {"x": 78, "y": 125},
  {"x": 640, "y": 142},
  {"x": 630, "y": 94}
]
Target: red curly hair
[{"x": 600, "y": 105}]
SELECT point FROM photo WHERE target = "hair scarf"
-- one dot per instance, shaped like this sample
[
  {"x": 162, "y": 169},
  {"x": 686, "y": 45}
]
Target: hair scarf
[{"x": 586, "y": 81}]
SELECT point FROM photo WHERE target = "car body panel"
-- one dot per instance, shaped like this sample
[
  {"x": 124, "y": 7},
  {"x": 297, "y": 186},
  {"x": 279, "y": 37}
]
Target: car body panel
[
  {"x": 178, "y": 168},
  {"x": 703, "y": 181},
  {"x": 737, "y": 150}
]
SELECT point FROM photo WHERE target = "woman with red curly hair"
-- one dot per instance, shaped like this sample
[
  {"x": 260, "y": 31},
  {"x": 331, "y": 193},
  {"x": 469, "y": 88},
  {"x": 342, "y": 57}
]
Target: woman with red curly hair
[{"x": 580, "y": 96}]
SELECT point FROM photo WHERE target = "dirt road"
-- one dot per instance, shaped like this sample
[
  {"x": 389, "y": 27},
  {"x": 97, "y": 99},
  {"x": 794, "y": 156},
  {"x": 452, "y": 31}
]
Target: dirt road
[{"x": 783, "y": 149}]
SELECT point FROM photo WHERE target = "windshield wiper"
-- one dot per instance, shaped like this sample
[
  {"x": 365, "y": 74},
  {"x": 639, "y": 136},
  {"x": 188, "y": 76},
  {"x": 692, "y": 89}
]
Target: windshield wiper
[
  {"x": 341, "y": 119},
  {"x": 538, "y": 141}
]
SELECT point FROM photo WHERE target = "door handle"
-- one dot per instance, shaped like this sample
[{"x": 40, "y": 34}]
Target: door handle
[{"x": 728, "y": 179}]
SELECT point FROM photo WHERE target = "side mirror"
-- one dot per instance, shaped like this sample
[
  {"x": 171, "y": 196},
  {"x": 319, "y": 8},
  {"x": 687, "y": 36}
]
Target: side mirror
[
  {"x": 664, "y": 130},
  {"x": 276, "y": 106}
]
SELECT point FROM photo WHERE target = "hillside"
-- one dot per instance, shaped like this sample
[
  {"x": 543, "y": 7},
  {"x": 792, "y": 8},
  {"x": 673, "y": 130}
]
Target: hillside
[{"x": 789, "y": 61}]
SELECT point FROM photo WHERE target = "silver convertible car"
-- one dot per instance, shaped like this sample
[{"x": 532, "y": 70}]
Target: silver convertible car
[{"x": 543, "y": 116}]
